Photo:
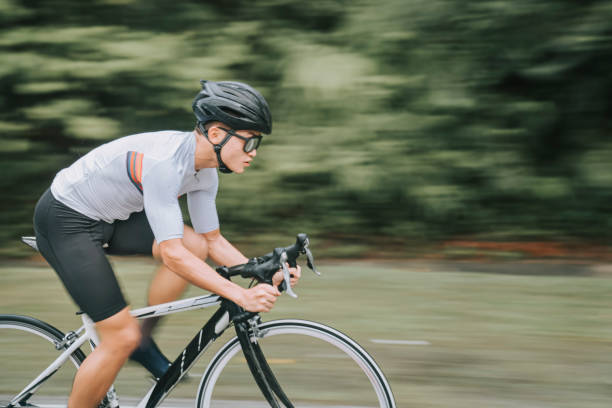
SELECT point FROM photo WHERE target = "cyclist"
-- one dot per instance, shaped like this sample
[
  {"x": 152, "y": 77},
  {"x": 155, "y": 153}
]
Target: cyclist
[{"x": 121, "y": 198}]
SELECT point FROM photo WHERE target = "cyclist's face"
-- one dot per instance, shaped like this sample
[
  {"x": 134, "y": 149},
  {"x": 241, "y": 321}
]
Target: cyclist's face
[{"x": 233, "y": 154}]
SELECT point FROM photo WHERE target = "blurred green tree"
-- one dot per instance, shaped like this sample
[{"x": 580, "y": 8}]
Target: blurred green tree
[{"x": 408, "y": 121}]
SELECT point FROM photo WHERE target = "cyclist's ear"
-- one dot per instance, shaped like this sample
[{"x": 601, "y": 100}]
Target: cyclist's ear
[{"x": 215, "y": 134}]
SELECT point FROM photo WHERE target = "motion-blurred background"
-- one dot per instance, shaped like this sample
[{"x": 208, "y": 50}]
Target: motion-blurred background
[
  {"x": 402, "y": 129},
  {"x": 395, "y": 122}
]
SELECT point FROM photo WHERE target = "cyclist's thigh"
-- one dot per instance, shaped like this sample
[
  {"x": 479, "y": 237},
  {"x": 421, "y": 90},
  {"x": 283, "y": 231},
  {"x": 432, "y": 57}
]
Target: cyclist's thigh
[
  {"x": 132, "y": 236},
  {"x": 72, "y": 244}
]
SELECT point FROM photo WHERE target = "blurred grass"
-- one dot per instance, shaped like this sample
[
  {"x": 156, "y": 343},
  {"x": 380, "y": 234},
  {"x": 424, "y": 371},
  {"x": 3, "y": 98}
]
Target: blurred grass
[{"x": 496, "y": 339}]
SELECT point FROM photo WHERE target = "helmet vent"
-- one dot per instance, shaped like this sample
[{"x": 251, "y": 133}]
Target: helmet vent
[
  {"x": 230, "y": 112},
  {"x": 227, "y": 91}
]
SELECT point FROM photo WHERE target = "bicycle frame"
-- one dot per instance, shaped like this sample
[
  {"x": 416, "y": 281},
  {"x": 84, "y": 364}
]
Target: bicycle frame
[
  {"x": 246, "y": 324},
  {"x": 215, "y": 326},
  {"x": 246, "y": 330}
]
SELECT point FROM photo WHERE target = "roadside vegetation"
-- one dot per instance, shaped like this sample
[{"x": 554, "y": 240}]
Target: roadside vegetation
[{"x": 395, "y": 122}]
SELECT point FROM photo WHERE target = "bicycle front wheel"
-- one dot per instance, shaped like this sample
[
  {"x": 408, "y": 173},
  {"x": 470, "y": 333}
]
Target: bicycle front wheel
[
  {"x": 27, "y": 348},
  {"x": 315, "y": 365}
]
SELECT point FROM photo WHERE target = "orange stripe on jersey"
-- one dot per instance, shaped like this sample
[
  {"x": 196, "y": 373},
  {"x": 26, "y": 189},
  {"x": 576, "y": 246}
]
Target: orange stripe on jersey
[
  {"x": 134, "y": 168},
  {"x": 138, "y": 167},
  {"x": 132, "y": 156}
]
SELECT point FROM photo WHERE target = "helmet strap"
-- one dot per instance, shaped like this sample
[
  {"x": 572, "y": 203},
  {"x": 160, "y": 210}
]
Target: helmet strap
[{"x": 217, "y": 147}]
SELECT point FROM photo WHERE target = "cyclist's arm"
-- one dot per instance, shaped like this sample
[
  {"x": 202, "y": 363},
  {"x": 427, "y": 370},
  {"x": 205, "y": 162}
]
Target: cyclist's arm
[
  {"x": 179, "y": 259},
  {"x": 202, "y": 206},
  {"x": 221, "y": 251},
  {"x": 191, "y": 268},
  {"x": 203, "y": 213},
  {"x": 160, "y": 189},
  {"x": 205, "y": 221}
]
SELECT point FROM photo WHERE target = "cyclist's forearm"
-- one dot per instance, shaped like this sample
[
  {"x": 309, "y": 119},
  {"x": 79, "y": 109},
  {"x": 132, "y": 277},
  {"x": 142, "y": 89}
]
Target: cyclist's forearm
[
  {"x": 222, "y": 252},
  {"x": 180, "y": 260}
]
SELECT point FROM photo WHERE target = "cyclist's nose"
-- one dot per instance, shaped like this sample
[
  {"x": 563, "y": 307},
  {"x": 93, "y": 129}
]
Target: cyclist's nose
[{"x": 252, "y": 153}]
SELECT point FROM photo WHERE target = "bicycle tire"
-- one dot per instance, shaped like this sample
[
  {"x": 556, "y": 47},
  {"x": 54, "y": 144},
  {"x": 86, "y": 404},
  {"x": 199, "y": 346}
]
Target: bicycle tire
[
  {"x": 24, "y": 336},
  {"x": 306, "y": 330}
]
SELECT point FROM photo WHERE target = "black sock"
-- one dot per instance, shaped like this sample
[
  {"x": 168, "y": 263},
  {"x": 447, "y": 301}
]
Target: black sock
[{"x": 148, "y": 354}]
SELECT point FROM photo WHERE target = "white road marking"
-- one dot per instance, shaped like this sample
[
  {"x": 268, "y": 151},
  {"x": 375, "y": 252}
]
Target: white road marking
[{"x": 402, "y": 342}]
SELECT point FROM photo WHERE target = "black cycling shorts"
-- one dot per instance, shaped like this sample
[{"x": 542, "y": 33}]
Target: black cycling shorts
[{"x": 76, "y": 247}]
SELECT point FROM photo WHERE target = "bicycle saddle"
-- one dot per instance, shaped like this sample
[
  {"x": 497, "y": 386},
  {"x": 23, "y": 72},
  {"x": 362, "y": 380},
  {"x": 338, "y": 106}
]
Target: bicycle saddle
[{"x": 30, "y": 241}]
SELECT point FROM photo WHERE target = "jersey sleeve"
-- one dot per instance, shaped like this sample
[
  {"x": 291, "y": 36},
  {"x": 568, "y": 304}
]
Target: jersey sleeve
[
  {"x": 160, "y": 186},
  {"x": 203, "y": 210}
]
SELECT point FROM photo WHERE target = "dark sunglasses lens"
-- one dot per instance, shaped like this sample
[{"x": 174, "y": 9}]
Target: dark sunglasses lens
[{"x": 251, "y": 144}]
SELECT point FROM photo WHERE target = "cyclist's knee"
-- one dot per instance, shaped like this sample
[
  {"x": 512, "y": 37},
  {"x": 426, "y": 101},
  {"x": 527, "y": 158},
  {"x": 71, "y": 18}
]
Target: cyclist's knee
[
  {"x": 121, "y": 333},
  {"x": 124, "y": 342},
  {"x": 130, "y": 338}
]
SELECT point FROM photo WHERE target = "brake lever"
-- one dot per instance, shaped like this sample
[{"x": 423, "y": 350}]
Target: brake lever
[
  {"x": 287, "y": 275},
  {"x": 309, "y": 257}
]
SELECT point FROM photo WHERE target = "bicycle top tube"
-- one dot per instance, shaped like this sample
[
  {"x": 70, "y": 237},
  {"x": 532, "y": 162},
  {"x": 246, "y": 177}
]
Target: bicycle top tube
[{"x": 194, "y": 303}]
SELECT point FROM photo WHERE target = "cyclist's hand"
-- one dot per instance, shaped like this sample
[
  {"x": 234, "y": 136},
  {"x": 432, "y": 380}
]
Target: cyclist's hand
[
  {"x": 260, "y": 298},
  {"x": 295, "y": 273}
]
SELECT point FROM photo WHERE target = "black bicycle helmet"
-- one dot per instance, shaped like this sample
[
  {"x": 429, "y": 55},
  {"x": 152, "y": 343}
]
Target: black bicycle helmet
[
  {"x": 237, "y": 105},
  {"x": 234, "y": 103}
]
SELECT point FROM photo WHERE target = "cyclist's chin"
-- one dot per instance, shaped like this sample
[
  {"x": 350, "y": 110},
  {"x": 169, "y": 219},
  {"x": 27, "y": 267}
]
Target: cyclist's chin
[{"x": 238, "y": 168}]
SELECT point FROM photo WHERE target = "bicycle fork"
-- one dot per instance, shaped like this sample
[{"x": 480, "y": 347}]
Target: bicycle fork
[{"x": 248, "y": 333}]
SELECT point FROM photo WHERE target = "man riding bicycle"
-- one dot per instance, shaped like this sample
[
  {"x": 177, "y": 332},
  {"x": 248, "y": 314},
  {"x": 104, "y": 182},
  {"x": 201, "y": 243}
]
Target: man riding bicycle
[{"x": 122, "y": 198}]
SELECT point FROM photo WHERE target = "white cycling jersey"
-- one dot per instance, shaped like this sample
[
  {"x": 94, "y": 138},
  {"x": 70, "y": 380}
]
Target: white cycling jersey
[{"x": 146, "y": 170}]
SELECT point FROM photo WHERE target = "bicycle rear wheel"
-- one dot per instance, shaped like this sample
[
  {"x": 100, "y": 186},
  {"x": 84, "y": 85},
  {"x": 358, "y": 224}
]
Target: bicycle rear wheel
[
  {"x": 27, "y": 347},
  {"x": 314, "y": 364}
]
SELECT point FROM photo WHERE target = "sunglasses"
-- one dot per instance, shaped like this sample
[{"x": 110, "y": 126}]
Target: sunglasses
[{"x": 250, "y": 143}]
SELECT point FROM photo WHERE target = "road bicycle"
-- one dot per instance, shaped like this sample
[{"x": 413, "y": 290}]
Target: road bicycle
[{"x": 336, "y": 371}]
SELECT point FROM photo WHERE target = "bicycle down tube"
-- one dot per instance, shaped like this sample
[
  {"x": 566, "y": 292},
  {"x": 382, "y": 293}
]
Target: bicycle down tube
[{"x": 215, "y": 326}]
